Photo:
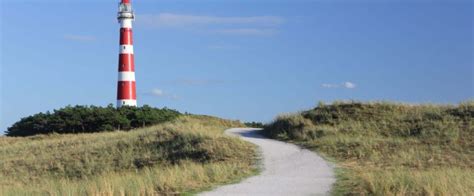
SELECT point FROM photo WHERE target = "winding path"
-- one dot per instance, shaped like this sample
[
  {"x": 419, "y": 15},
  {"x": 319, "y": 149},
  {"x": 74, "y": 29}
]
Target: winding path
[{"x": 287, "y": 170}]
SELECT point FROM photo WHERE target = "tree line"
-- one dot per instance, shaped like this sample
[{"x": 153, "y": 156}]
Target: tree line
[{"x": 89, "y": 119}]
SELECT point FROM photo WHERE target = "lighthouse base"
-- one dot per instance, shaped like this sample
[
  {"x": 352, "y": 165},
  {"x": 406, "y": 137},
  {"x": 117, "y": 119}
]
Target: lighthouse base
[{"x": 126, "y": 102}]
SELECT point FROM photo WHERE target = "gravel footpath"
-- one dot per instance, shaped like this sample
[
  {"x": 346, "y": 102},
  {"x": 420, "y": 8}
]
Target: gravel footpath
[{"x": 287, "y": 170}]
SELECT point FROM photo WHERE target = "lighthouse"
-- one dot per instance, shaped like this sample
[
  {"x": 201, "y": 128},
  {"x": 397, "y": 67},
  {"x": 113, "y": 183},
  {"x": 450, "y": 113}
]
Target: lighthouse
[{"x": 126, "y": 87}]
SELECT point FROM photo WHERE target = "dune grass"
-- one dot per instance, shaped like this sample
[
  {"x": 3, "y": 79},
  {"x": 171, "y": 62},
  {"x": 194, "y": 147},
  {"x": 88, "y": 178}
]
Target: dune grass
[
  {"x": 388, "y": 148},
  {"x": 179, "y": 157}
]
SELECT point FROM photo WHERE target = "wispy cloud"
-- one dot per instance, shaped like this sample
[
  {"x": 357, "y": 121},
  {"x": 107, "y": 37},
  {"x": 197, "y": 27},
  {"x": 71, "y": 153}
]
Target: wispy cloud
[
  {"x": 82, "y": 38},
  {"x": 223, "y": 46},
  {"x": 330, "y": 85},
  {"x": 348, "y": 85},
  {"x": 247, "y": 31},
  {"x": 157, "y": 92},
  {"x": 198, "y": 82},
  {"x": 183, "y": 20},
  {"x": 247, "y": 26},
  {"x": 160, "y": 93}
]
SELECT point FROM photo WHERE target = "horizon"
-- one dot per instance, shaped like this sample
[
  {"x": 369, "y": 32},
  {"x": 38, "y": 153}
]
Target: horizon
[{"x": 240, "y": 60}]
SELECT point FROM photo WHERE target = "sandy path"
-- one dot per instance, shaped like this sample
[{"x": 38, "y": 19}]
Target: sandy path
[{"x": 287, "y": 170}]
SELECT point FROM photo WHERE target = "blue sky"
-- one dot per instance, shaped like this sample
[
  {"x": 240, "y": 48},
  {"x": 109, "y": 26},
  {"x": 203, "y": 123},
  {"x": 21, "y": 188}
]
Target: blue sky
[{"x": 247, "y": 60}]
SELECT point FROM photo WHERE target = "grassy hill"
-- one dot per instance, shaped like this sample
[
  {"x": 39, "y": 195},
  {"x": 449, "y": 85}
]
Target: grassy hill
[
  {"x": 188, "y": 154},
  {"x": 388, "y": 148}
]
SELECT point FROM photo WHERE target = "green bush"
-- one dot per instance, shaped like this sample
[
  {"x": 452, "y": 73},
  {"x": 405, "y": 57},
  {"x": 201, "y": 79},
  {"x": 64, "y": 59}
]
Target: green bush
[
  {"x": 293, "y": 127},
  {"x": 254, "y": 124},
  {"x": 88, "y": 119}
]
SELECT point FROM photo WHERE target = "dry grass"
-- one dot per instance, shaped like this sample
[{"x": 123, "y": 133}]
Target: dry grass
[
  {"x": 387, "y": 148},
  {"x": 160, "y": 180},
  {"x": 186, "y": 155}
]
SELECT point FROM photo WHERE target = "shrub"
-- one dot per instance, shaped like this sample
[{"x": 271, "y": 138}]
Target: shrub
[
  {"x": 292, "y": 127},
  {"x": 254, "y": 124},
  {"x": 88, "y": 119}
]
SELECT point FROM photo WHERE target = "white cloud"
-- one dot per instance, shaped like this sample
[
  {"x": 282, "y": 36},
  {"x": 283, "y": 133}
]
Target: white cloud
[
  {"x": 183, "y": 20},
  {"x": 198, "y": 82},
  {"x": 160, "y": 93},
  {"x": 348, "y": 85},
  {"x": 246, "y": 31},
  {"x": 157, "y": 92},
  {"x": 79, "y": 37}
]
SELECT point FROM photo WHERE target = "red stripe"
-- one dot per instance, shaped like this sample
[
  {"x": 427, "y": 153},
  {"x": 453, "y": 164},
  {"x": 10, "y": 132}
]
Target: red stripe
[
  {"x": 126, "y": 90},
  {"x": 126, "y": 36},
  {"x": 126, "y": 62},
  {"x": 125, "y": 1}
]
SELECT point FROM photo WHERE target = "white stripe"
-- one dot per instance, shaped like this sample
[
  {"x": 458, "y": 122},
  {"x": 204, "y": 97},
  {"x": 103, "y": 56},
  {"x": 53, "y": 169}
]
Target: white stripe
[
  {"x": 126, "y": 23},
  {"x": 126, "y": 102},
  {"x": 126, "y": 49},
  {"x": 126, "y": 76}
]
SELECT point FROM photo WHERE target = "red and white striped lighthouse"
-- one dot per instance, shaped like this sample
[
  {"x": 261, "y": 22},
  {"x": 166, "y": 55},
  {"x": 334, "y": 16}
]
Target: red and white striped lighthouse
[{"x": 126, "y": 89}]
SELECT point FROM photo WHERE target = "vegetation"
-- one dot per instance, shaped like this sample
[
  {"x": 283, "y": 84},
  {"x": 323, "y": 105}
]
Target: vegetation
[
  {"x": 188, "y": 154},
  {"x": 88, "y": 119},
  {"x": 388, "y": 148},
  {"x": 254, "y": 124}
]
